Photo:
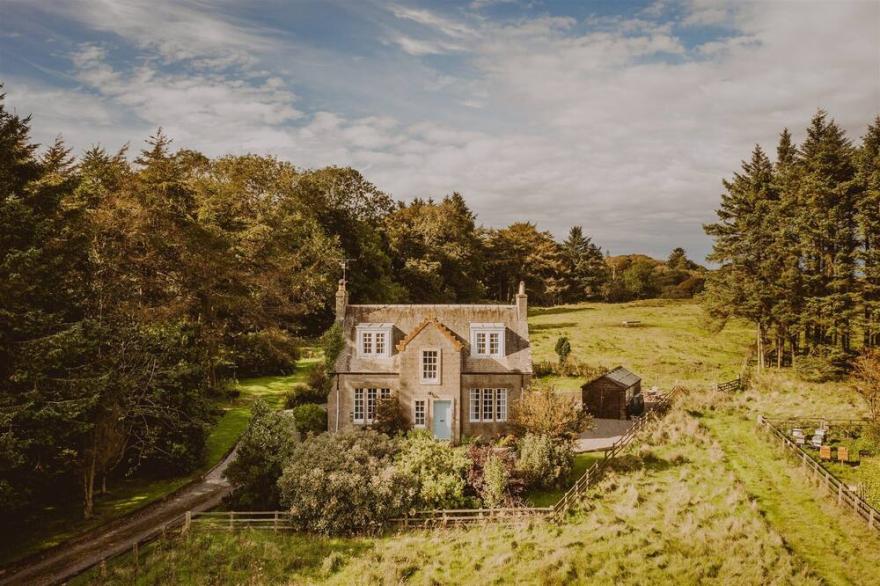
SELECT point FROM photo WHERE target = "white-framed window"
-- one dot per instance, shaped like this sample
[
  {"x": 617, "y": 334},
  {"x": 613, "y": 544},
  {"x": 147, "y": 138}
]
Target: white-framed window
[
  {"x": 475, "y": 404},
  {"x": 487, "y": 405},
  {"x": 364, "y": 411},
  {"x": 500, "y": 404},
  {"x": 487, "y": 340},
  {"x": 430, "y": 366},
  {"x": 374, "y": 340},
  {"x": 419, "y": 413},
  {"x": 488, "y": 401},
  {"x": 358, "y": 406}
]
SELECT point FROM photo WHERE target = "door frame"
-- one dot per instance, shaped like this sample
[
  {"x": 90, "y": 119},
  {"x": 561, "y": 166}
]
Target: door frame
[{"x": 450, "y": 414}]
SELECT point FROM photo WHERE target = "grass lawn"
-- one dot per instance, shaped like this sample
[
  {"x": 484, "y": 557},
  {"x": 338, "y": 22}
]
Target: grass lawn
[
  {"x": 548, "y": 497},
  {"x": 674, "y": 344},
  {"x": 54, "y": 525}
]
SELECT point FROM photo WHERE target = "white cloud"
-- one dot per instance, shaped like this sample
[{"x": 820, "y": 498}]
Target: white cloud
[{"x": 615, "y": 123}]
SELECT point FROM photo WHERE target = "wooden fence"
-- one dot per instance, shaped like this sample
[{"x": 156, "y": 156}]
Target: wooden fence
[
  {"x": 732, "y": 386},
  {"x": 592, "y": 475},
  {"x": 822, "y": 478}
]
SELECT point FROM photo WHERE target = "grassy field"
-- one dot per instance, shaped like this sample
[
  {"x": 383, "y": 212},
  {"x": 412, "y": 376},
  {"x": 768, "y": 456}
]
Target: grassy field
[
  {"x": 54, "y": 525},
  {"x": 673, "y": 345},
  {"x": 700, "y": 498},
  {"x": 672, "y": 510}
]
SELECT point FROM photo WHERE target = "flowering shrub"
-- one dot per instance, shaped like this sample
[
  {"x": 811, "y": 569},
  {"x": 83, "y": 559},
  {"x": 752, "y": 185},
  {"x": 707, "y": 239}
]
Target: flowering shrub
[
  {"x": 346, "y": 483},
  {"x": 543, "y": 411}
]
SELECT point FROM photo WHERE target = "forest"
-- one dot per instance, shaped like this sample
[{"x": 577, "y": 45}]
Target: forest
[
  {"x": 133, "y": 286},
  {"x": 797, "y": 242}
]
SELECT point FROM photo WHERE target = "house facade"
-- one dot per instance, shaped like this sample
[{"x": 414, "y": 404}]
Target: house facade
[{"x": 455, "y": 369}]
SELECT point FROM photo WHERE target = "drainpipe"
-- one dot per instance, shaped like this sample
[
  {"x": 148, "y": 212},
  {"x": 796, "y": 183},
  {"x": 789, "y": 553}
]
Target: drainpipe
[{"x": 337, "y": 403}]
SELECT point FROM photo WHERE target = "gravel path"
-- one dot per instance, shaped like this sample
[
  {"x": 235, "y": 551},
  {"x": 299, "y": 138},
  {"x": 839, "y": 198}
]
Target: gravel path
[
  {"x": 77, "y": 555},
  {"x": 603, "y": 434}
]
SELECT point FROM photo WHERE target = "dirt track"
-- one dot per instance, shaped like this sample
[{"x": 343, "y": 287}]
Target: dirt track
[{"x": 71, "y": 558}]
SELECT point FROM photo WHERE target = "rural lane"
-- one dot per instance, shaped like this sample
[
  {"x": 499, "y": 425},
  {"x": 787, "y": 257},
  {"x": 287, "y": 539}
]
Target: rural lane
[{"x": 77, "y": 555}]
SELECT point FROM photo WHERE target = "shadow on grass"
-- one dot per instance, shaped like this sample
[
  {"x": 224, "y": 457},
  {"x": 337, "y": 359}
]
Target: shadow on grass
[
  {"x": 553, "y": 326},
  {"x": 536, "y": 311},
  {"x": 646, "y": 461}
]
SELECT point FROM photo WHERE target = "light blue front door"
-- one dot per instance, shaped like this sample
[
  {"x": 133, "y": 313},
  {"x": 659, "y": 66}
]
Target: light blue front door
[{"x": 443, "y": 420}]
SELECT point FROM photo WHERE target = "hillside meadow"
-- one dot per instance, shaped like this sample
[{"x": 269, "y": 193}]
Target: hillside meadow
[{"x": 698, "y": 498}]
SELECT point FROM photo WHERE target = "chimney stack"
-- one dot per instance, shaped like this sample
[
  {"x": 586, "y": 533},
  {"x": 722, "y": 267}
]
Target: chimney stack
[
  {"x": 522, "y": 301},
  {"x": 341, "y": 301}
]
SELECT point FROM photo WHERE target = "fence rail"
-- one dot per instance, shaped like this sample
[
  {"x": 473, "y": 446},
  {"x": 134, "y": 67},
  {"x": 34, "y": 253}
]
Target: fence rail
[
  {"x": 823, "y": 479},
  {"x": 594, "y": 472},
  {"x": 731, "y": 386}
]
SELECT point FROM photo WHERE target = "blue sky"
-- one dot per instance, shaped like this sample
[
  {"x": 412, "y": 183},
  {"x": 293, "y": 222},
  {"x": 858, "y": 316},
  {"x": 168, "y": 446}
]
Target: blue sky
[{"x": 619, "y": 116}]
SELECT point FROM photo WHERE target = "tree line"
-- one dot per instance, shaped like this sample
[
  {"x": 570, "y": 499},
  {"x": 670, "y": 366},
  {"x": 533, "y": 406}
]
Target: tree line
[
  {"x": 798, "y": 244},
  {"x": 133, "y": 285}
]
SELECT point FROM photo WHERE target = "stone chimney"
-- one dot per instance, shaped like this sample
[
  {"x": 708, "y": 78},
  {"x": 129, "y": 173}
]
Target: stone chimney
[
  {"x": 522, "y": 301},
  {"x": 341, "y": 301}
]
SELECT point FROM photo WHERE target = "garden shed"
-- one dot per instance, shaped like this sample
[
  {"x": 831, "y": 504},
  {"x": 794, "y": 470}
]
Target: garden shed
[{"x": 617, "y": 394}]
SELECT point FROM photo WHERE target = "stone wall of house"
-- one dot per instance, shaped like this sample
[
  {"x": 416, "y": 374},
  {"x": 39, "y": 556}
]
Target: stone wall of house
[
  {"x": 514, "y": 383},
  {"x": 340, "y": 401}
]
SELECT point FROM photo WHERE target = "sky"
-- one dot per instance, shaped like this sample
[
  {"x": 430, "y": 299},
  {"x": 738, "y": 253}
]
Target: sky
[{"x": 622, "y": 117}]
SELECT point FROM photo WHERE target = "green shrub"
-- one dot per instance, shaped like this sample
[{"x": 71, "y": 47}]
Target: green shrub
[
  {"x": 478, "y": 484},
  {"x": 263, "y": 450},
  {"x": 495, "y": 479},
  {"x": 390, "y": 418},
  {"x": 332, "y": 342},
  {"x": 543, "y": 368},
  {"x": 310, "y": 418},
  {"x": 541, "y": 410},
  {"x": 543, "y": 462},
  {"x": 302, "y": 394},
  {"x": 345, "y": 483},
  {"x": 318, "y": 379},
  {"x": 438, "y": 468},
  {"x": 269, "y": 351}
]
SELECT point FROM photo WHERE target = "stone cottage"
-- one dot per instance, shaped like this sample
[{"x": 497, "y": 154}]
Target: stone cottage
[{"x": 455, "y": 369}]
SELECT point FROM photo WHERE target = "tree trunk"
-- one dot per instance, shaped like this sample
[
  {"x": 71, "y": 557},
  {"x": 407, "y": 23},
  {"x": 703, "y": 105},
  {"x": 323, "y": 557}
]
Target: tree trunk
[{"x": 89, "y": 488}]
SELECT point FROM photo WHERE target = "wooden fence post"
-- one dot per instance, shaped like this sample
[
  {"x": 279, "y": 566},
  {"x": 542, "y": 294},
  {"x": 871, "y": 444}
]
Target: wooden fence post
[
  {"x": 871, "y": 519},
  {"x": 134, "y": 554},
  {"x": 187, "y": 521},
  {"x": 839, "y": 493},
  {"x": 231, "y": 514},
  {"x": 275, "y": 524}
]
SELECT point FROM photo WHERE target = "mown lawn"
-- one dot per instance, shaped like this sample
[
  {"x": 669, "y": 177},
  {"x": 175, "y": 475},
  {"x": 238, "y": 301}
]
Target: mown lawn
[
  {"x": 673, "y": 345},
  {"x": 54, "y": 525}
]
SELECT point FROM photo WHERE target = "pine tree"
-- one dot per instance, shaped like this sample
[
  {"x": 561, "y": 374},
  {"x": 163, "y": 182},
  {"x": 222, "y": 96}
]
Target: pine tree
[
  {"x": 585, "y": 266},
  {"x": 743, "y": 239},
  {"x": 827, "y": 193},
  {"x": 868, "y": 219}
]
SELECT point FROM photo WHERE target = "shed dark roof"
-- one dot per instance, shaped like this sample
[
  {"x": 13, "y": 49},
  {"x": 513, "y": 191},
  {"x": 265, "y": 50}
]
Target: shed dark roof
[{"x": 619, "y": 375}]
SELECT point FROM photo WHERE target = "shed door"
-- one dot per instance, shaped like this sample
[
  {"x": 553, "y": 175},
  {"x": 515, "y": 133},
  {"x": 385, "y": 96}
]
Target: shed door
[{"x": 443, "y": 420}]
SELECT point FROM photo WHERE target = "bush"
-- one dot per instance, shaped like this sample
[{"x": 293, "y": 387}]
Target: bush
[
  {"x": 310, "y": 418},
  {"x": 390, "y": 419},
  {"x": 543, "y": 462},
  {"x": 302, "y": 394},
  {"x": 332, "y": 343},
  {"x": 495, "y": 478},
  {"x": 542, "y": 411},
  {"x": 270, "y": 351},
  {"x": 438, "y": 468},
  {"x": 345, "y": 483},
  {"x": 543, "y": 368},
  {"x": 489, "y": 489},
  {"x": 263, "y": 450},
  {"x": 318, "y": 380}
]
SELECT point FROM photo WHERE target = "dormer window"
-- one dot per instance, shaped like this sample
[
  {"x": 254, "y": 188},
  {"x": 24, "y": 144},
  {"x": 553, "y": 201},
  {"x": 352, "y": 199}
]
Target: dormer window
[
  {"x": 374, "y": 340},
  {"x": 487, "y": 340}
]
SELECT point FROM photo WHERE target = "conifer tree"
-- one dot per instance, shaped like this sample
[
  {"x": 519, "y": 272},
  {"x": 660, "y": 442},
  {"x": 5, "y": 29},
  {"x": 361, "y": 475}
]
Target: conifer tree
[
  {"x": 585, "y": 266},
  {"x": 868, "y": 219}
]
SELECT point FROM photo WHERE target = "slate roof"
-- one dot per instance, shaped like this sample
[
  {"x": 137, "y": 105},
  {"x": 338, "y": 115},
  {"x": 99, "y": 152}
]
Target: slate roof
[
  {"x": 453, "y": 320},
  {"x": 619, "y": 375}
]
